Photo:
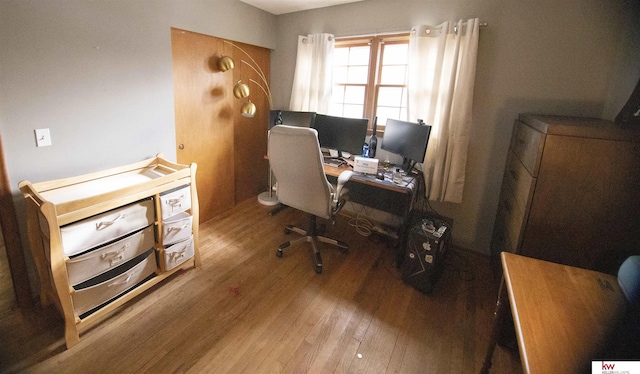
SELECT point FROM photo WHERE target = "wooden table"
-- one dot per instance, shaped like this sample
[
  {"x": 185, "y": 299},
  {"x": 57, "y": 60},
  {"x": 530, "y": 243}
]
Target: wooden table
[{"x": 563, "y": 315}]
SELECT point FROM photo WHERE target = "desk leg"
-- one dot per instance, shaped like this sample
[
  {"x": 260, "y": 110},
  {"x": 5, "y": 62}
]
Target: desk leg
[
  {"x": 403, "y": 235},
  {"x": 502, "y": 307}
]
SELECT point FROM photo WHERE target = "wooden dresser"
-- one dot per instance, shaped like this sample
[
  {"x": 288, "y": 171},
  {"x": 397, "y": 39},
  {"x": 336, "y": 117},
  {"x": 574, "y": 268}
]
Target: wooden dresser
[
  {"x": 99, "y": 240},
  {"x": 570, "y": 193}
]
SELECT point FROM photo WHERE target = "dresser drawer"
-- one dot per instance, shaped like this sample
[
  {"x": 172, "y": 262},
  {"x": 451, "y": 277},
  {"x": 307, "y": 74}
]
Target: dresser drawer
[
  {"x": 113, "y": 283},
  {"x": 176, "y": 228},
  {"x": 510, "y": 216},
  {"x": 175, "y": 201},
  {"x": 520, "y": 181},
  {"x": 527, "y": 144},
  {"x": 83, "y": 267},
  {"x": 500, "y": 241},
  {"x": 100, "y": 229},
  {"x": 176, "y": 254}
]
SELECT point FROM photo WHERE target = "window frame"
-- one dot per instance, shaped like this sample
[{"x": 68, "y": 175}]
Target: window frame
[{"x": 376, "y": 45}]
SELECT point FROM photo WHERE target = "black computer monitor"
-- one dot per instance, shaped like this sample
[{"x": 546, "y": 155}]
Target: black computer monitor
[
  {"x": 292, "y": 118},
  {"x": 407, "y": 139},
  {"x": 341, "y": 133}
]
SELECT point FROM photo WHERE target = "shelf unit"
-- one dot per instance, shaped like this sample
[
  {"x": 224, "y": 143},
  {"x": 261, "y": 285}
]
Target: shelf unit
[{"x": 99, "y": 240}]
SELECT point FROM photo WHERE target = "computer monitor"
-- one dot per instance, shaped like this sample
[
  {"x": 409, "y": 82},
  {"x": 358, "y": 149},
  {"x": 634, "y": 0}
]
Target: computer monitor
[
  {"x": 292, "y": 118},
  {"x": 341, "y": 133},
  {"x": 407, "y": 139}
]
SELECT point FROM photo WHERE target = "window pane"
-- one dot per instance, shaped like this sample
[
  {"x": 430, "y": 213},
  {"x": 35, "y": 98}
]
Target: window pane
[
  {"x": 359, "y": 56},
  {"x": 395, "y": 54},
  {"x": 390, "y": 96},
  {"x": 340, "y": 74},
  {"x": 404, "y": 98},
  {"x": 335, "y": 109},
  {"x": 387, "y": 112},
  {"x": 358, "y": 74},
  {"x": 353, "y": 111},
  {"x": 354, "y": 95},
  {"x": 393, "y": 75},
  {"x": 351, "y": 76},
  {"x": 338, "y": 94}
]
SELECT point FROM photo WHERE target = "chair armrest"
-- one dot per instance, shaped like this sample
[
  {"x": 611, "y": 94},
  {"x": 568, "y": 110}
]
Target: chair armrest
[
  {"x": 342, "y": 179},
  {"x": 338, "y": 199}
]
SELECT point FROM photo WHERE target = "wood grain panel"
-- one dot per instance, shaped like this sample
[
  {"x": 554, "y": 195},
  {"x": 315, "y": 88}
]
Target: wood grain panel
[
  {"x": 204, "y": 118},
  {"x": 582, "y": 206},
  {"x": 210, "y": 131},
  {"x": 585, "y": 207},
  {"x": 563, "y": 315},
  {"x": 250, "y": 134}
]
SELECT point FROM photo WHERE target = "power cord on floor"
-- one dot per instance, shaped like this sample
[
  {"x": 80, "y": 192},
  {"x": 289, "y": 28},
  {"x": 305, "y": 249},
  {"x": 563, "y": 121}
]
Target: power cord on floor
[{"x": 363, "y": 226}]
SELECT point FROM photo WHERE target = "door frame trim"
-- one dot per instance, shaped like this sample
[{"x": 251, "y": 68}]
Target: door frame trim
[{"x": 12, "y": 240}]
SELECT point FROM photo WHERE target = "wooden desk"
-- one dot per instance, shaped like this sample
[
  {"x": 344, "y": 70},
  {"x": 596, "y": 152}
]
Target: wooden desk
[
  {"x": 563, "y": 315},
  {"x": 406, "y": 187},
  {"x": 384, "y": 195}
]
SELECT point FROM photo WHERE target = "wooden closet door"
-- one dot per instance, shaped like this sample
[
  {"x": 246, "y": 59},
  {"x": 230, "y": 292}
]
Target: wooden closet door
[
  {"x": 250, "y": 134},
  {"x": 210, "y": 131}
]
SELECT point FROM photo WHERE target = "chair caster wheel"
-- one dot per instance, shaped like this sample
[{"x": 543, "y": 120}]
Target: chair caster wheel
[
  {"x": 287, "y": 231},
  {"x": 318, "y": 269},
  {"x": 279, "y": 253}
]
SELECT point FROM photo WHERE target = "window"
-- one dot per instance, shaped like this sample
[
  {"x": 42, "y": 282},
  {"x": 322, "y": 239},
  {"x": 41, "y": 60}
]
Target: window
[{"x": 370, "y": 78}]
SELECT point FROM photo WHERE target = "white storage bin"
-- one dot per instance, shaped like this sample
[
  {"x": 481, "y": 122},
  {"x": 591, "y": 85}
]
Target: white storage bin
[
  {"x": 86, "y": 266},
  {"x": 176, "y": 228},
  {"x": 176, "y": 254},
  {"x": 102, "y": 228},
  {"x": 109, "y": 285},
  {"x": 176, "y": 201}
]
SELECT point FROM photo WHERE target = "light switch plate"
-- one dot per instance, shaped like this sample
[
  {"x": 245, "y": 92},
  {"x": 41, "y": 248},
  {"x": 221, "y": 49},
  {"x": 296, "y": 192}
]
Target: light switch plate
[{"x": 43, "y": 137}]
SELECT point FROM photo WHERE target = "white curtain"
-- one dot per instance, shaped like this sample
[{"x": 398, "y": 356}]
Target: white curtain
[
  {"x": 442, "y": 66},
  {"x": 313, "y": 78}
]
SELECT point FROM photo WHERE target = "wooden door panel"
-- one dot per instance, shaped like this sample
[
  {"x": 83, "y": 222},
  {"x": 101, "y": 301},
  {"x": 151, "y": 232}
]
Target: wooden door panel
[
  {"x": 210, "y": 131},
  {"x": 250, "y": 135}
]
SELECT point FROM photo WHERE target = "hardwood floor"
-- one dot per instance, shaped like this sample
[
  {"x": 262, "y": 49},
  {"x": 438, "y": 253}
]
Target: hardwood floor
[{"x": 246, "y": 310}]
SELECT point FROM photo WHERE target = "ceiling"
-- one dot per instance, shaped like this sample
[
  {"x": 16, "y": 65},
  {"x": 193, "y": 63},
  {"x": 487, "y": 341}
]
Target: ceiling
[{"x": 289, "y": 6}]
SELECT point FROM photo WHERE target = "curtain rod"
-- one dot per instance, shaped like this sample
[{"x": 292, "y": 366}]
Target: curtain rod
[
  {"x": 428, "y": 30},
  {"x": 482, "y": 24}
]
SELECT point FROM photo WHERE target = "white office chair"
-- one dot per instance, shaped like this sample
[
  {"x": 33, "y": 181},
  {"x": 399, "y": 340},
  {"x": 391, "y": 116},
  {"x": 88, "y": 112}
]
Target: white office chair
[{"x": 296, "y": 162}]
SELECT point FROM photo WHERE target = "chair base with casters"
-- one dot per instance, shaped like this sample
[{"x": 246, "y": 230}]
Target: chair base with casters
[
  {"x": 297, "y": 165},
  {"x": 311, "y": 236}
]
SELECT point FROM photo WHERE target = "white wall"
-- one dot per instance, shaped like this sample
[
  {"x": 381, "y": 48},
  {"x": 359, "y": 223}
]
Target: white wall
[
  {"x": 572, "y": 57},
  {"x": 98, "y": 75}
]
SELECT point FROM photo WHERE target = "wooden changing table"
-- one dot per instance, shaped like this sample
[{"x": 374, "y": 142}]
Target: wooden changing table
[{"x": 99, "y": 240}]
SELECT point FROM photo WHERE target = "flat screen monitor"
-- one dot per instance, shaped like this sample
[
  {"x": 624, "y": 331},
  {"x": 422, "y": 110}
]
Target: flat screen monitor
[
  {"x": 341, "y": 133},
  {"x": 292, "y": 118},
  {"x": 407, "y": 139}
]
